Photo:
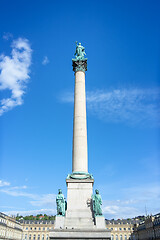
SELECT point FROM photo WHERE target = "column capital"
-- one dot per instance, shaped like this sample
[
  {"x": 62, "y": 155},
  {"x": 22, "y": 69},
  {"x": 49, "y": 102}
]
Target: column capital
[{"x": 79, "y": 65}]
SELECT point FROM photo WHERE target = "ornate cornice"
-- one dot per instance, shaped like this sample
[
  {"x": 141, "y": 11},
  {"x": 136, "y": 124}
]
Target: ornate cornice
[{"x": 79, "y": 65}]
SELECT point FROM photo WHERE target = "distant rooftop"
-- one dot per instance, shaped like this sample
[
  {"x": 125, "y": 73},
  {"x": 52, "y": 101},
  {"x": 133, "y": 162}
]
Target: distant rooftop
[
  {"x": 122, "y": 221},
  {"x": 37, "y": 221}
]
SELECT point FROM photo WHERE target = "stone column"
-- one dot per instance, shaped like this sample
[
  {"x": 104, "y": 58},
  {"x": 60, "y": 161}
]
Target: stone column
[
  {"x": 79, "y": 154},
  {"x": 79, "y": 221},
  {"x": 80, "y": 182}
]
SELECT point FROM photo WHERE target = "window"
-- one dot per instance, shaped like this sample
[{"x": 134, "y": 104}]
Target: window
[
  {"x": 44, "y": 228},
  {"x": 35, "y": 228},
  {"x": 132, "y": 228},
  {"x": 112, "y": 237},
  {"x": 128, "y": 228},
  {"x": 47, "y": 238},
  {"x": 25, "y": 236},
  {"x": 31, "y": 228},
  {"x": 121, "y": 238},
  {"x": 43, "y": 237},
  {"x": 116, "y": 237},
  {"x": 34, "y": 237},
  {"x": 125, "y": 237},
  {"x": 124, "y": 228},
  {"x": 39, "y": 228},
  {"x": 30, "y": 237},
  {"x": 120, "y": 229},
  {"x": 111, "y": 228},
  {"x": 47, "y": 228},
  {"x": 38, "y": 237},
  {"x": 115, "y": 229},
  {"x": 26, "y": 228}
]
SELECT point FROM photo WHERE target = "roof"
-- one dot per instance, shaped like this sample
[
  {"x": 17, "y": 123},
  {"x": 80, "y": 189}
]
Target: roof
[
  {"x": 123, "y": 221},
  {"x": 37, "y": 221}
]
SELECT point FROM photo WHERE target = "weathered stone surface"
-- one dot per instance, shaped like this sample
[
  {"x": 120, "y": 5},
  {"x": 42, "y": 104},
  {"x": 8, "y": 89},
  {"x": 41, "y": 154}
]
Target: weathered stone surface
[
  {"x": 59, "y": 222},
  {"x": 80, "y": 234},
  {"x": 79, "y": 211},
  {"x": 80, "y": 154},
  {"x": 100, "y": 222}
]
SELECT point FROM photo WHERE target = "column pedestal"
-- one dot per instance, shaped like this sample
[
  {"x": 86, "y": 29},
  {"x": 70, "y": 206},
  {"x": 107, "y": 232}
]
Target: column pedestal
[
  {"x": 79, "y": 212},
  {"x": 78, "y": 223}
]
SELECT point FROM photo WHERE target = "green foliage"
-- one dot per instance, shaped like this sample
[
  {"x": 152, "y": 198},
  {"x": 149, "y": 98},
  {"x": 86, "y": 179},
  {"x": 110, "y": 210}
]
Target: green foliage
[
  {"x": 18, "y": 217},
  {"x": 29, "y": 217},
  {"x": 37, "y": 217}
]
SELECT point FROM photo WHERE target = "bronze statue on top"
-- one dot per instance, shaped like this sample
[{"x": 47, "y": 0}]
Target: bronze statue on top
[
  {"x": 79, "y": 63},
  {"x": 80, "y": 52}
]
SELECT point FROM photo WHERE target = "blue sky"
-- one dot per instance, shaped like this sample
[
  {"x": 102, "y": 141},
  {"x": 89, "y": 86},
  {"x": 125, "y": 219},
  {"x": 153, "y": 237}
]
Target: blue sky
[{"x": 37, "y": 43}]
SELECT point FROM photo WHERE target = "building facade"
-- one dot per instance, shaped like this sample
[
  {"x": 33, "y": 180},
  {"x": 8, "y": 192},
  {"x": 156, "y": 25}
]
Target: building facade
[
  {"x": 148, "y": 229},
  {"x": 37, "y": 230},
  {"x": 121, "y": 229},
  {"x": 10, "y": 229}
]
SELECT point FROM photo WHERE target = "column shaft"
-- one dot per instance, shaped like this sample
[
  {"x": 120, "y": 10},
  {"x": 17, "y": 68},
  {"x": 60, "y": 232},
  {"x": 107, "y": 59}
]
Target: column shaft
[{"x": 79, "y": 154}]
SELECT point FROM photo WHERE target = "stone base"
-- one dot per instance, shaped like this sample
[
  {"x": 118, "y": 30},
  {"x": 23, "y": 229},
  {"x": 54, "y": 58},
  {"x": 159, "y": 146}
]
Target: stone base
[
  {"x": 75, "y": 234},
  {"x": 59, "y": 222},
  {"x": 100, "y": 222},
  {"x": 79, "y": 208}
]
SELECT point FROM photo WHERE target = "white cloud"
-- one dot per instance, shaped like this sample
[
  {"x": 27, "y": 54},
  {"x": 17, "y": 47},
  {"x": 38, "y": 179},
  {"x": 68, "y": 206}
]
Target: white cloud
[
  {"x": 3, "y": 183},
  {"x": 143, "y": 193},
  {"x": 19, "y": 187},
  {"x": 133, "y": 202},
  {"x": 67, "y": 97},
  {"x": 7, "y": 36},
  {"x": 116, "y": 212},
  {"x": 39, "y": 200},
  {"x": 133, "y": 106},
  {"x": 14, "y": 193},
  {"x": 5, "y": 206},
  {"x": 14, "y": 73},
  {"x": 45, "y": 60},
  {"x": 48, "y": 211},
  {"x": 44, "y": 200}
]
